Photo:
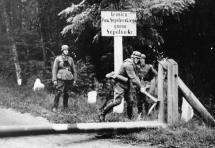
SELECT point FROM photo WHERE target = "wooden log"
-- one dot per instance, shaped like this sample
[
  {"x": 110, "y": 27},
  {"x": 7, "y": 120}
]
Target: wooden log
[
  {"x": 196, "y": 104},
  {"x": 103, "y": 127},
  {"x": 150, "y": 96},
  {"x": 151, "y": 108}
]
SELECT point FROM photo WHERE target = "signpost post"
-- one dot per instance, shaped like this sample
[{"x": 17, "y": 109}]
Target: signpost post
[{"x": 118, "y": 24}]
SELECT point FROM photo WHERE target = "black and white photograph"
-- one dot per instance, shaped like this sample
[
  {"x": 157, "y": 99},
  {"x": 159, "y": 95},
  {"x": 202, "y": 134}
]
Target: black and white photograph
[{"x": 107, "y": 74}]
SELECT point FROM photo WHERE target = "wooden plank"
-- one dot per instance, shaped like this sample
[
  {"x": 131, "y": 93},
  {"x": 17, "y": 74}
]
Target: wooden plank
[
  {"x": 103, "y": 127},
  {"x": 172, "y": 92},
  {"x": 175, "y": 92},
  {"x": 161, "y": 114},
  {"x": 169, "y": 94},
  {"x": 195, "y": 103}
]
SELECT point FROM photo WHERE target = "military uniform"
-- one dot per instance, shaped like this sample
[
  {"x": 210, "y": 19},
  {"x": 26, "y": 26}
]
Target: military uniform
[
  {"x": 146, "y": 73},
  {"x": 64, "y": 73},
  {"x": 123, "y": 89}
]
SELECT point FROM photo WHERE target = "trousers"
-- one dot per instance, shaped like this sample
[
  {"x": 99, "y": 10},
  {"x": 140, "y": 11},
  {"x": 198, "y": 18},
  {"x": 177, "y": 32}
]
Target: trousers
[
  {"x": 120, "y": 93},
  {"x": 63, "y": 87}
]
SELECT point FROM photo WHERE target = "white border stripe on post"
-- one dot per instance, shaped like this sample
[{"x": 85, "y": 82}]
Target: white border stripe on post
[{"x": 103, "y": 127}]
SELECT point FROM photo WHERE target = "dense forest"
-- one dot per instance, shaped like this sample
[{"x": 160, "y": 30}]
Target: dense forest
[{"x": 32, "y": 31}]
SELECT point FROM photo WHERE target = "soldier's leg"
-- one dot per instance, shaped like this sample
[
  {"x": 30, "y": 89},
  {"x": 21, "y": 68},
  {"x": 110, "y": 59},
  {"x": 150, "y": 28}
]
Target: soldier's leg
[
  {"x": 56, "y": 99},
  {"x": 110, "y": 95},
  {"x": 118, "y": 95},
  {"x": 130, "y": 101},
  {"x": 146, "y": 105},
  {"x": 140, "y": 101},
  {"x": 118, "y": 99},
  {"x": 65, "y": 99},
  {"x": 59, "y": 91},
  {"x": 67, "y": 85}
]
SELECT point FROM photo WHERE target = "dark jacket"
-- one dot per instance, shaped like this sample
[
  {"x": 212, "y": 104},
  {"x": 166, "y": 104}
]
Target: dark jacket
[
  {"x": 64, "y": 68},
  {"x": 129, "y": 70},
  {"x": 146, "y": 72}
]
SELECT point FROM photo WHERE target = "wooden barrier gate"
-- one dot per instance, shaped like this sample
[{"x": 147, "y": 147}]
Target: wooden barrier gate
[{"x": 168, "y": 84}]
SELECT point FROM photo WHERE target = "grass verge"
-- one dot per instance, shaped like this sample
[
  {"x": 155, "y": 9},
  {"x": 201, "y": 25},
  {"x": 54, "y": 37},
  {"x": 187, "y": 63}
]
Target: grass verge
[{"x": 24, "y": 99}]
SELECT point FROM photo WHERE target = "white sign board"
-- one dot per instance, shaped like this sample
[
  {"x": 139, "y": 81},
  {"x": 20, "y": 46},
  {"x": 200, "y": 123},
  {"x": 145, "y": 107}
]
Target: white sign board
[{"x": 118, "y": 23}]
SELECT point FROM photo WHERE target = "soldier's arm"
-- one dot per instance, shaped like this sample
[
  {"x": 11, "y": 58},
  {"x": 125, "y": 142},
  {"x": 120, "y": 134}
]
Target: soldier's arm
[
  {"x": 54, "y": 69},
  {"x": 74, "y": 70},
  {"x": 154, "y": 71},
  {"x": 132, "y": 76}
]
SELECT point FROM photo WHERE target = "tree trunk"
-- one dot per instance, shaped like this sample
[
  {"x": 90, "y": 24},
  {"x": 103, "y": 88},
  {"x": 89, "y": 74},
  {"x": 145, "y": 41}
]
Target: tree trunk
[
  {"x": 43, "y": 35},
  {"x": 44, "y": 51},
  {"x": 12, "y": 46}
]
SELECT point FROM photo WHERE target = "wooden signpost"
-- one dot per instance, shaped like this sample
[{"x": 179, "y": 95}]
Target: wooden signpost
[{"x": 118, "y": 24}]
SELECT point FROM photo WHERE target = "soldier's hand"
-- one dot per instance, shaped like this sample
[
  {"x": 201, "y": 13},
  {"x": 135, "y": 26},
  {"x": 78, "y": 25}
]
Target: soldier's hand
[
  {"x": 114, "y": 76},
  {"x": 142, "y": 89},
  {"x": 55, "y": 83}
]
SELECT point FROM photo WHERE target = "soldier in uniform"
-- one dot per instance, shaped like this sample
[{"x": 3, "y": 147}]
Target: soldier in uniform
[
  {"x": 147, "y": 75},
  {"x": 123, "y": 89},
  {"x": 63, "y": 76}
]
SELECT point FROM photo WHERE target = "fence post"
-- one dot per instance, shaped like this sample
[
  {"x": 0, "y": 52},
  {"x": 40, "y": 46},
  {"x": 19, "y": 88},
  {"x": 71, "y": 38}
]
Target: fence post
[
  {"x": 161, "y": 113},
  {"x": 172, "y": 92}
]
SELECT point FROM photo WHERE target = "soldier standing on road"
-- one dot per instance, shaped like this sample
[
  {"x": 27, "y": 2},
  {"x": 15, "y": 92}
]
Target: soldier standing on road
[
  {"x": 146, "y": 74},
  {"x": 123, "y": 89},
  {"x": 63, "y": 76}
]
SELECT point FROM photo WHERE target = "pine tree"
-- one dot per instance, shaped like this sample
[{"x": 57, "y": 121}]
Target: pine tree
[{"x": 83, "y": 23}]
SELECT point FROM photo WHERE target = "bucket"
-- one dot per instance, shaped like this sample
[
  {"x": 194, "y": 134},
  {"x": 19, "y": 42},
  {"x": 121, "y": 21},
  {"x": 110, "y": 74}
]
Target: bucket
[
  {"x": 119, "y": 108},
  {"x": 92, "y": 97}
]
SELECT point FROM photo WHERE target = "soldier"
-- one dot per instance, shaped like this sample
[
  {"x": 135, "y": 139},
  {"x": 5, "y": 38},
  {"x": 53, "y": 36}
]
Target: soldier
[
  {"x": 147, "y": 75},
  {"x": 63, "y": 76},
  {"x": 123, "y": 89}
]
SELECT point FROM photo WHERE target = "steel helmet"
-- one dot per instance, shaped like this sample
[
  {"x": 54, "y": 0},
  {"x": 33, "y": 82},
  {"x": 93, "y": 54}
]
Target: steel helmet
[
  {"x": 64, "y": 47},
  {"x": 143, "y": 56},
  {"x": 136, "y": 54}
]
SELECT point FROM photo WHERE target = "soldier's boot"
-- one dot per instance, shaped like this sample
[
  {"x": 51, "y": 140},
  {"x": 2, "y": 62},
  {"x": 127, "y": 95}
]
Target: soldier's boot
[
  {"x": 65, "y": 100},
  {"x": 139, "y": 109},
  {"x": 56, "y": 101},
  {"x": 140, "y": 102},
  {"x": 108, "y": 108},
  {"x": 130, "y": 110},
  {"x": 101, "y": 117}
]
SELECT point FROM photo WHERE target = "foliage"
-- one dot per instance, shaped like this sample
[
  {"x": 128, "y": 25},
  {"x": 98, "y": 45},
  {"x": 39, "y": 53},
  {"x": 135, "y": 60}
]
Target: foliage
[
  {"x": 190, "y": 41},
  {"x": 83, "y": 19},
  {"x": 183, "y": 135}
]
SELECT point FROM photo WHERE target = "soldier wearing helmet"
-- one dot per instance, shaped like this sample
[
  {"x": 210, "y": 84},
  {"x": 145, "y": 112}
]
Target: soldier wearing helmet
[
  {"x": 123, "y": 89},
  {"x": 63, "y": 76},
  {"x": 147, "y": 75}
]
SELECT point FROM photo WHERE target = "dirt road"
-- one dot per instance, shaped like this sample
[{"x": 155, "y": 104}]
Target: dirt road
[{"x": 11, "y": 117}]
